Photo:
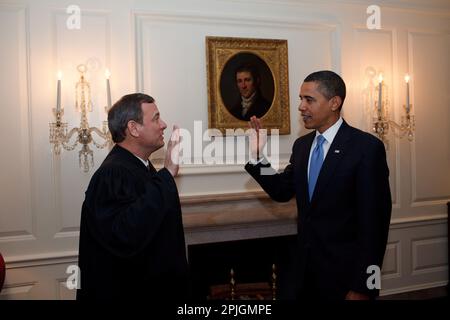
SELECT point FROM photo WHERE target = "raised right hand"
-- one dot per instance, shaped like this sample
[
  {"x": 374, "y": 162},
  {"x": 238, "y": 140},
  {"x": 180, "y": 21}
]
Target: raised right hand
[
  {"x": 258, "y": 138},
  {"x": 172, "y": 160}
]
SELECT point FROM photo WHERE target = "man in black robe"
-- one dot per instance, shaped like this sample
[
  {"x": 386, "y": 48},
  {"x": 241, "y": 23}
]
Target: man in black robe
[{"x": 131, "y": 233}]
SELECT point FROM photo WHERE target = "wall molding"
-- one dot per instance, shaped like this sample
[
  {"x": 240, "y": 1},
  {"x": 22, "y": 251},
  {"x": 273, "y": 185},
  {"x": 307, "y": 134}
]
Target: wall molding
[
  {"x": 206, "y": 169},
  {"x": 25, "y": 155},
  {"x": 418, "y": 201},
  {"x": 42, "y": 259},
  {"x": 321, "y": 23},
  {"x": 141, "y": 17},
  {"x": 416, "y": 7},
  {"x": 397, "y": 271},
  {"x": 385, "y": 292},
  {"x": 60, "y": 257},
  {"x": 359, "y": 31},
  {"x": 416, "y": 243},
  {"x": 64, "y": 231},
  {"x": 416, "y": 221},
  {"x": 18, "y": 288}
]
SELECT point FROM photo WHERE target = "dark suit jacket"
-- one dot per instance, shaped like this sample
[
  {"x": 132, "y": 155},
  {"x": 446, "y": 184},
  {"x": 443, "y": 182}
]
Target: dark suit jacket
[
  {"x": 259, "y": 108},
  {"x": 344, "y": 228},
  {"x": 131, "y": 233}
]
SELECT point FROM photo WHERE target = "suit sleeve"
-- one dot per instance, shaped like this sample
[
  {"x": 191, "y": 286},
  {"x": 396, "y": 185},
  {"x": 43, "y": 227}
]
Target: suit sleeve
[
  {"x": 279, "y": 186},
  {"x": 125, "y": 220},
  {"x": 374, "y": 204}
]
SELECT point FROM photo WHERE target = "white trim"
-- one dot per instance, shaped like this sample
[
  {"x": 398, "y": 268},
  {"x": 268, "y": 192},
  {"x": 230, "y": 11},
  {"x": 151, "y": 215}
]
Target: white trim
[
  {"x": 408, "y": 222},
  {"x": 33, "y": 260},
  {"x": 29, "y": 260},
  {"x": 409, "y": 6},
  {"x": 413, "y": 288}
]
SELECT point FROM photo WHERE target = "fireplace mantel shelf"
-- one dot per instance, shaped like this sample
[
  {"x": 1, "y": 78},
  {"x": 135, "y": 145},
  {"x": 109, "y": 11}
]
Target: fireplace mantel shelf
[{"x": 255, "y": 207}]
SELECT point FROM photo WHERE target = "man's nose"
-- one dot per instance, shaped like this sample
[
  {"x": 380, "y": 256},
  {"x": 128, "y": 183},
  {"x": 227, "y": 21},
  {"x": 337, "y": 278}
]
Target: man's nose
[
  {"x": 163, "y": 125},
  {"x": 301, "y": 106}
]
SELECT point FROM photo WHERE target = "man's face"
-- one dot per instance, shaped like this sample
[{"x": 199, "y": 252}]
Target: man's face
[
  {"x": 245, "y": 83},
  {"x": 317, "y": 111},
  {"x": 152, "y": 128}
]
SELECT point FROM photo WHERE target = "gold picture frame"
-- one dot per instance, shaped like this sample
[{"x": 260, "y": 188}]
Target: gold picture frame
[{"x": 225, "y": 56}]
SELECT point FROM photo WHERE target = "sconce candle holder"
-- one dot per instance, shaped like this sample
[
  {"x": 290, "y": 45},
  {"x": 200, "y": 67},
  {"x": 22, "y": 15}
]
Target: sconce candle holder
[
  {"x": 407, "y": 125},
  {"x": 60, "y": 137},
  {"x": 382, "y": 123}
]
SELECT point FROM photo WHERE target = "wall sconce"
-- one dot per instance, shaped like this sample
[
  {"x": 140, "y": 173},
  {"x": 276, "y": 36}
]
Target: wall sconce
[
  {"x": 381, "y": 122},
  {"x": 59, "y": 134}
]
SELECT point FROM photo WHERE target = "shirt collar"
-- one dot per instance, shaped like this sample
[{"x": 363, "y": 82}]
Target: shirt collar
[
  {"x": 331, "y": 132},
  {"x": 249, "y": 99},
  {"x": 145, "y": 162}
]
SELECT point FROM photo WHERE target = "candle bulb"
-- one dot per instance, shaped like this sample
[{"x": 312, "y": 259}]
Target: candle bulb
[
  {"x": 108, "y": 89},
  {"x": 380, "y": 95},
  {"x": 58, "y": 93},
  {"x": 407, "y": 92}
]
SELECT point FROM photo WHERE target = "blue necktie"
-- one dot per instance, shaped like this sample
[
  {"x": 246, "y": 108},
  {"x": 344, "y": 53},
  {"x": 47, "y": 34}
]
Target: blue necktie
[{"x": 315, "y": 165}]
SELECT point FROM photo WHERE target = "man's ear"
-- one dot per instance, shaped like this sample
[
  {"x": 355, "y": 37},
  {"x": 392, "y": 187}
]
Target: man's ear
[
  {"x": 336, "y": 102},
  {"x": 132, "y": 127}
]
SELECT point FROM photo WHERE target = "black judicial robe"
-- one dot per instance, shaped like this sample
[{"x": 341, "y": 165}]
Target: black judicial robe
[{"x": 131, "y": 233}]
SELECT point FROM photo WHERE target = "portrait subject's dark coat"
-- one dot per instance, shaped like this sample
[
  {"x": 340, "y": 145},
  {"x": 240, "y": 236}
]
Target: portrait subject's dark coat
[
  {"x": 131, "y": 235},
  {"x": 259, "y": 108}
]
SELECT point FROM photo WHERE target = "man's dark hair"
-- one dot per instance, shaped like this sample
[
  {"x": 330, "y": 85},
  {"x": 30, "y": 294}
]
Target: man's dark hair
[
  {"x": 330, "y": 84},
  {"x": 253, "y": 70},
  {"x": 126, "y": 109}
]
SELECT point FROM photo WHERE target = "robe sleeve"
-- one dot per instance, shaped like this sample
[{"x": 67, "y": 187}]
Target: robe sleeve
[{"x": 124, "y": 214}]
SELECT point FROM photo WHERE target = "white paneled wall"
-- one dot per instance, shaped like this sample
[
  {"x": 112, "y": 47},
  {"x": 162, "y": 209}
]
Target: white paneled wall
[
  {"x": 17, "y": 218},
  {"x": 158, "y": 47}
]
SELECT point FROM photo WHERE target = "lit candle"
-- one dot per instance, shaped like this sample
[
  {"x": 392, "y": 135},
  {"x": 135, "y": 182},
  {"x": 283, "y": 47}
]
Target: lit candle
[
  {"x": 108, "y": 89},
  {"x": 380, "y": 95},
  {"x": 407, "y": 92},
  {"x": 58, "y": 92}
]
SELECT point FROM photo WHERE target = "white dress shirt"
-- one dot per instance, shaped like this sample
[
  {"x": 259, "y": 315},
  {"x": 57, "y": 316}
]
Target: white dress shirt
[{"x": 329, "y": 135}]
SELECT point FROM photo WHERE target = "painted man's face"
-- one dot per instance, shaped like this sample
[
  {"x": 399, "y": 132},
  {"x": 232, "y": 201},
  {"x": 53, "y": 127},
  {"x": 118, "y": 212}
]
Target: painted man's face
[{"x": 245, "y": 83}]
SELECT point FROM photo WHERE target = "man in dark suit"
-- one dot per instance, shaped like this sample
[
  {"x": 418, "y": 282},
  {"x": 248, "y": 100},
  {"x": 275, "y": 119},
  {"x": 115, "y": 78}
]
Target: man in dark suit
[
  {"x": 340, "y": 178},
  {"x": 131, "y": 233},
  {"x": 251, "y": 102}
]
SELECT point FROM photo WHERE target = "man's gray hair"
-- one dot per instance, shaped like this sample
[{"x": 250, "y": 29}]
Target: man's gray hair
[{"x": 126, "y": 109}]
